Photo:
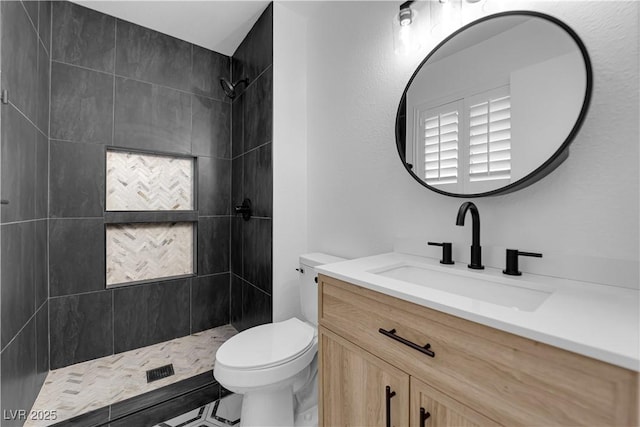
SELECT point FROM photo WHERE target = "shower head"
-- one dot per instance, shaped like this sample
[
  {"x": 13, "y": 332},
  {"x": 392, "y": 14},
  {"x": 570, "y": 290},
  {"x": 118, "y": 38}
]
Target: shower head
[{"x": 230, "y": 88}]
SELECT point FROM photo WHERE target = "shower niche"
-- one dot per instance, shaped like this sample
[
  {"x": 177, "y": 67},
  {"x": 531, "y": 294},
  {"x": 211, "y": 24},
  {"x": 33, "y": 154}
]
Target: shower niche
[{"x": 150, "y": 218}]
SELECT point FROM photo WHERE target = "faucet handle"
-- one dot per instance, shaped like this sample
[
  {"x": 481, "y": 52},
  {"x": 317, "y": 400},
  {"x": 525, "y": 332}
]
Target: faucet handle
[
  {"x": 512, "y": 261},
  {"x": 446, "y": 251}
]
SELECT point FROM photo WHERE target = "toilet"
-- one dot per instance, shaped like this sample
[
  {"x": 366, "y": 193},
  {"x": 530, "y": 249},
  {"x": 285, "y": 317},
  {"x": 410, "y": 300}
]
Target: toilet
[{"x": 274, "y": 366}]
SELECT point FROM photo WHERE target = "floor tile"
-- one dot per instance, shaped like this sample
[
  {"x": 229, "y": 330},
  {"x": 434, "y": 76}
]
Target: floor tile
[
  {"x": 214, "y": 414},
  {"x": 91, "y": 385}
]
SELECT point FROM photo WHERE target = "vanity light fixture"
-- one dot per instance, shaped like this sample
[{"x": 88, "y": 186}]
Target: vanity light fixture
[
  {"x": 406, "y": 14},
  {"x": 405, "y": 33}
]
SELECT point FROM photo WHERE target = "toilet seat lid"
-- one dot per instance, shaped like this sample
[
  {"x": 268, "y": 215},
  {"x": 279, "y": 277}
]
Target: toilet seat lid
[{"x": 266, "y": 345}]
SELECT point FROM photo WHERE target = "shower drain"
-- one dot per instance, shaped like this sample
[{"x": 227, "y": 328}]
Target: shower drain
[{"x": 159, "y": 373}]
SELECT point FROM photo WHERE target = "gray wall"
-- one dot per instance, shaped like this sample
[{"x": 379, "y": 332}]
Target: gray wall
[
  {"x": 24, "y": 160},
  {"x": 114, "y": 83},
  {"x": 252, "y": 129}
]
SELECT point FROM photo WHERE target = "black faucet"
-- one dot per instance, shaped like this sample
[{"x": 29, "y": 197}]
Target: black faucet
[{"x": 476, "y": 249}]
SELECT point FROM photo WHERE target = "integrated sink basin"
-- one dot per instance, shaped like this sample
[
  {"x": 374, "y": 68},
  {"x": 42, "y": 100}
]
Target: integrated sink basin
[{"x": 516, "y": 294}]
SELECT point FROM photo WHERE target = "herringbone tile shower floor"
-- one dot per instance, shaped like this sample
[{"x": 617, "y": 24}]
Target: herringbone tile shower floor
[{"x": 83, "y": 387}]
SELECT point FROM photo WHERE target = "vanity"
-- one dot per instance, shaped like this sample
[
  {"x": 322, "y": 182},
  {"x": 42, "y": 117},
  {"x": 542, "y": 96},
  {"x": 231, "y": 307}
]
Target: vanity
[
  {"x": 407, "y": 340},
  {"x": 396, "y": 349}
]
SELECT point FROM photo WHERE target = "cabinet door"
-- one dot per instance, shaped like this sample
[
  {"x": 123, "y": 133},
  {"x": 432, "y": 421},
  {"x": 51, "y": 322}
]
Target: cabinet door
[
  {"x": 354, "y": 387},
  {"x": 430, "y": 408}
]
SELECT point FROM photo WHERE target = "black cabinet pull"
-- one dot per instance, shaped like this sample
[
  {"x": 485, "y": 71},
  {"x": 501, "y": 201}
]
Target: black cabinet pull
[
  {"x": 423, "y": 417},
  {"x": 389, "y": 395},
  {"x": 392, "y": 334}
]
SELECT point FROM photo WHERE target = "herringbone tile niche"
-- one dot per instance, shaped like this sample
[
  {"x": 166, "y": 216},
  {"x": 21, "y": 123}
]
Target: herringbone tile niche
[
  {"x": 139, "y": 252},
  {"x": 147, "y": 182}
]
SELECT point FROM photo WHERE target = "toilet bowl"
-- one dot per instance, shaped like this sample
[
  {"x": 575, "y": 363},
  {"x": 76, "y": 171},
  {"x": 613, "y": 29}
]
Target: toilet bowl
[{"x": 274, "y": 366}]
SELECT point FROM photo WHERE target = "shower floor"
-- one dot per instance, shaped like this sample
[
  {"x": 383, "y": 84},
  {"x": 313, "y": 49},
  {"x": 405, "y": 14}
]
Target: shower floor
[{"x": 84, "y": 387}]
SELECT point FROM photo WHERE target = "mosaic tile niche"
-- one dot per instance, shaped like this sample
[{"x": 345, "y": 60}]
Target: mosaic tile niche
[
  {"x": 139, "y": 252},
  {"x": 146, "y": 251},
  {"x": 147, "y": 182}
]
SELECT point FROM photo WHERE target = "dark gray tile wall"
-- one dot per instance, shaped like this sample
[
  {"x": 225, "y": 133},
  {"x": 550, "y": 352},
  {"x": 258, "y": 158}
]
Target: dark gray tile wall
[
  {"x": 19, "y": 378},
  {"x": 43, "y": 85},
  {"x": 18, "y": 291},
  {"x": 237, "y": 127},
  {"x": 257, "y": 179},
  {"x": 81, "y": 102},
  {"x": 77, "y": 180},
  {"x": 42, "y": 342},
  {"x": 149, "y": 314},
  {"x": 44, "y": 24},
  {"x": 256, "y": 253},
  {"x": 42, "y": 175},
  {"x": 84, "y": 37},
  {"x": 255, "y": 53},
  {"x": 32, "y": 11},
  {"x": 258, "y": 111},
  {"x": 209, "y": 302},
  {"x": 150, "y": 56},
  {"x": 211, "y": 122},
  {"x": 215, "y": 198},
  {"x": 203, "y": 82},
  {"x": 252, "y": 177},
  {"x": 19, "y": 161},
  {"x": 152, "y": 117},
  {"x": 20, "y": 51},
  {"x": 24, "y": 154},
  {"x": 118, "y": 84},
  {"x": 81, "y": 327},
  {"x": 213, "y": 241},
  {"x": 40, "y": 263},
  {"x": 76, "y": 256}
]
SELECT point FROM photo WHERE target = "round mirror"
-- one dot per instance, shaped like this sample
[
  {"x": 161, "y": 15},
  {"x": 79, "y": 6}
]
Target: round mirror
[{"x": 494, "y": 107}]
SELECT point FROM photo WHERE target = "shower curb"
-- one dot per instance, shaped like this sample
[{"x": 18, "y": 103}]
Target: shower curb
[{"x": 155, "y": 406}]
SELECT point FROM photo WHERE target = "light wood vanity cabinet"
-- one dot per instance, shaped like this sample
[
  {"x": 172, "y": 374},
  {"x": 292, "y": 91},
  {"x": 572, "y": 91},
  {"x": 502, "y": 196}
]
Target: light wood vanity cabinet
[
  {"x": 355, "y": 389},
  {"x": 478, "y": 375},
  {"x": 438, "y": 409}
]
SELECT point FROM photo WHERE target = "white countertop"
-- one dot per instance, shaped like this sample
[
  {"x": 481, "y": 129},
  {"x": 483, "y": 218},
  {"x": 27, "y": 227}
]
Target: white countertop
[{"x": 602, "y": 322}]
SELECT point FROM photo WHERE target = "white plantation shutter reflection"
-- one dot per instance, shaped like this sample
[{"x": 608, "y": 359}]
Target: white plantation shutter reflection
[
  {"x": 490, "y": 136},
  {"x": 441, "y": 138}
]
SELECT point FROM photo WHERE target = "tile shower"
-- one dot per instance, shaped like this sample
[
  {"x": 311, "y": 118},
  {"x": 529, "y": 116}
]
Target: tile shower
[
  {"x": 118, "y": 88},
  {"x": 24, "y": 156},
  {"x": 115, "y": 84}
]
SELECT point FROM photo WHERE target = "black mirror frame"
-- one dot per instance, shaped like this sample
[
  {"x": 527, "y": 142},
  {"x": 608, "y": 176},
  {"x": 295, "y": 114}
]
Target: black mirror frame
[{"x": 561, "y": 153}]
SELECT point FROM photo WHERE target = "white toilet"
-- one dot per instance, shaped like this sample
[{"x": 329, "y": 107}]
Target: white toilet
[{"x": 275, "y": 365}]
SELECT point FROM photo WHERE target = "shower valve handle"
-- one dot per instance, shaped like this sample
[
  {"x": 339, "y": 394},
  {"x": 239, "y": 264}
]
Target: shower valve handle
[{"x": 244, "y": 209}]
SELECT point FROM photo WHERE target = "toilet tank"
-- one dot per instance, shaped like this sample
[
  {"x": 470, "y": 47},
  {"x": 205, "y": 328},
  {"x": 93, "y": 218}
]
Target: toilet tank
[{"x": 308, "y": 285}]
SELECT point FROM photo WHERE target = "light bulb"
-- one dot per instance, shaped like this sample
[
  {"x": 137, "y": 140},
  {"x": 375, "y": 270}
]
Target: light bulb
[
  {"x": 405, "y": 16},
  {"x": 408, "y": 28}
]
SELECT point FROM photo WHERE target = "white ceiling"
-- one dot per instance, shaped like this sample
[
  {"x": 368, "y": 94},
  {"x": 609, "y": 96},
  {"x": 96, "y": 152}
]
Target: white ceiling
[{"x": 217, "y": 25}]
